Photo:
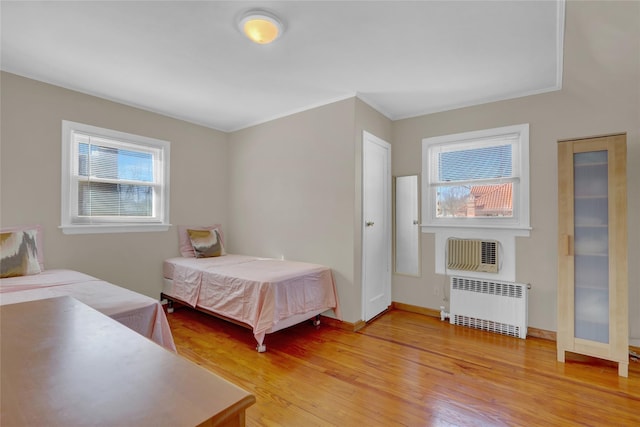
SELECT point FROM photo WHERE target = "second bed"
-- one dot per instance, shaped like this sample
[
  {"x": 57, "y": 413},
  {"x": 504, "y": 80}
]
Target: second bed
[{"x": 263, "y": 294}]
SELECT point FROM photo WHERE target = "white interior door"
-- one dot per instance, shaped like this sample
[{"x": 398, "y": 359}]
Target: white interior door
[{"x": 376, "y": 225}]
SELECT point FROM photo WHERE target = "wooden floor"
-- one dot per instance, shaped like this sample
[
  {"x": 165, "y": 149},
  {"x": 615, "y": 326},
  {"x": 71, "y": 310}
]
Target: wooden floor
[{"x": 407, "y": 369}]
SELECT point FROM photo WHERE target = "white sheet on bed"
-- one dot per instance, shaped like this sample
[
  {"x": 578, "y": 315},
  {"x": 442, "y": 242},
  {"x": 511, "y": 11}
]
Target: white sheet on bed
[
  {"x": 259, "y": 292},
  {"x": 139, "y": 312}
]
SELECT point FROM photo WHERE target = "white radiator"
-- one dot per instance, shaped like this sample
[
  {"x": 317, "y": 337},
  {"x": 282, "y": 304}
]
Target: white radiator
[{"x": 493, "y": 306}]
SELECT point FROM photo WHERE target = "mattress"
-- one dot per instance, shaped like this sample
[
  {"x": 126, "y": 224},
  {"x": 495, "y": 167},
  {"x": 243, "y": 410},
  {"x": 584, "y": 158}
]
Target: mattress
[
  {"x": 136, "y": 311},
  {"x": 262, "y": 293}
]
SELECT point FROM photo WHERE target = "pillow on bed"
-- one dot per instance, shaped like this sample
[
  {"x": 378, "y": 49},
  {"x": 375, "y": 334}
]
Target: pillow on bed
[
  {"x": 39, "y": 239},
  {"x": 18, "y": 254},
  {"x": 206, "y": 243},
  {"x": 186, "y": 248}
]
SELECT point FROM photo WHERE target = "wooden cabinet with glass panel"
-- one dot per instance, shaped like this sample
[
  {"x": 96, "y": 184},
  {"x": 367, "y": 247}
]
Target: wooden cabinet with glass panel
[{"x": 592, "y": 249}]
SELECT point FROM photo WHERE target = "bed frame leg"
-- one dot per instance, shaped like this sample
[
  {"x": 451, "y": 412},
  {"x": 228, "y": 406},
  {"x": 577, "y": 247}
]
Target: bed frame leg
[
  {"x": 261, "y": 348},
  {"x": 316, "y": 321},
  {"x": 169, "y": 306}
]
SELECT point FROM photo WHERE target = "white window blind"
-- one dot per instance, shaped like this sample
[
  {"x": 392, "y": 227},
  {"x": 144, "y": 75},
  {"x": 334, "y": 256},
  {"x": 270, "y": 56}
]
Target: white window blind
[{"x": 113, "y": 181}]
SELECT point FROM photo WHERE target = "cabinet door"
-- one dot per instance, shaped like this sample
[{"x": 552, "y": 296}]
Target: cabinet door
[{"x": 591, "y": 246}]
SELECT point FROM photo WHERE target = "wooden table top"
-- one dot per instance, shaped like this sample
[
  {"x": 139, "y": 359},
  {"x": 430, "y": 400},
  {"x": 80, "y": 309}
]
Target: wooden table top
[{"x": 64, "y": 363}]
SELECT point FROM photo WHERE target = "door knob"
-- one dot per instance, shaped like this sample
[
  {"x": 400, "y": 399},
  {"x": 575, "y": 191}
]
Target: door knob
[{"x": 369, "y": 223}]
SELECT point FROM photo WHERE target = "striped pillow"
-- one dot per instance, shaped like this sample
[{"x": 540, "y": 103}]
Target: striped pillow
[
  {"x": 18, "y": 254},
  {"x": 186, "y": 248},
  {"x": 206, "y": 243}
]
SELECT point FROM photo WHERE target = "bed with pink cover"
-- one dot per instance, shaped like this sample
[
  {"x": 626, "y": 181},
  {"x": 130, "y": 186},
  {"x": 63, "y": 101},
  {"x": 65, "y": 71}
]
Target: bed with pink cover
[
  {"x": 136, "y": 311},
  {"x": 263, "y": 294}
]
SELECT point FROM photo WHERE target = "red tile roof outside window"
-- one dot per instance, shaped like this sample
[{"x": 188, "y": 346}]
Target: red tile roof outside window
[{"x": 491, "y": 200}]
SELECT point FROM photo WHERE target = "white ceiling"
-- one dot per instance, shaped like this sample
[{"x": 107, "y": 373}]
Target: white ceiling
[{"x": 188, "y": 60}]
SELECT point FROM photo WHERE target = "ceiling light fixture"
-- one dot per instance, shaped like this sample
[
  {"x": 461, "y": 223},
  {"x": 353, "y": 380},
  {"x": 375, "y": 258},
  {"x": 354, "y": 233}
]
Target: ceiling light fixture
[{"x": 261, "y": 27}]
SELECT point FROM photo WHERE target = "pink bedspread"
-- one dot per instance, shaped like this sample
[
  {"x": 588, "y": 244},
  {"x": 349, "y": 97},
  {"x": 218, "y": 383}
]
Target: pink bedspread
[
  {"x": 136, "y": 311},
  {"x": 259, "y": 292}
]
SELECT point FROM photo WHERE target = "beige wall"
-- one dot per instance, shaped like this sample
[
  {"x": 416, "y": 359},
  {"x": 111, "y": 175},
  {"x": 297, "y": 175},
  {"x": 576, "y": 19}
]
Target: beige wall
[
  {"x": 289, "y": 187},
  {"x": 294, "y": 191},
  {"x": 30, "y": 162},
  {"x": 600, "y": 95}
]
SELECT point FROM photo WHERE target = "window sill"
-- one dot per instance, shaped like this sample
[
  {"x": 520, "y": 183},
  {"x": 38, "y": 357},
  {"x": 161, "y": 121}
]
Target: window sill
[
  {"x": 113, "y": 228},
  {"x": 516, "y": 230}
]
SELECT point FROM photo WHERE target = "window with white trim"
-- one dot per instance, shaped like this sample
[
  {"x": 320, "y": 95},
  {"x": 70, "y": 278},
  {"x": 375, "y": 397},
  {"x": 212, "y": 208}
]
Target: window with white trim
[
  {"x": 113, "y": 181},
  {"x": 477, "y": 179}
]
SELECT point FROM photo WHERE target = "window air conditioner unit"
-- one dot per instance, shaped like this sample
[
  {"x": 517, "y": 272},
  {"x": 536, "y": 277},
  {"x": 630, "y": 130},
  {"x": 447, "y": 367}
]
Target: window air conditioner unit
[{"x": 472, "y": 255}]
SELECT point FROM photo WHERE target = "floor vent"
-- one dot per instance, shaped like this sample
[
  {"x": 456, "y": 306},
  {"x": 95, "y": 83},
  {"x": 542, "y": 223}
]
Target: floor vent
[{"x": 499, "y": 307}]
